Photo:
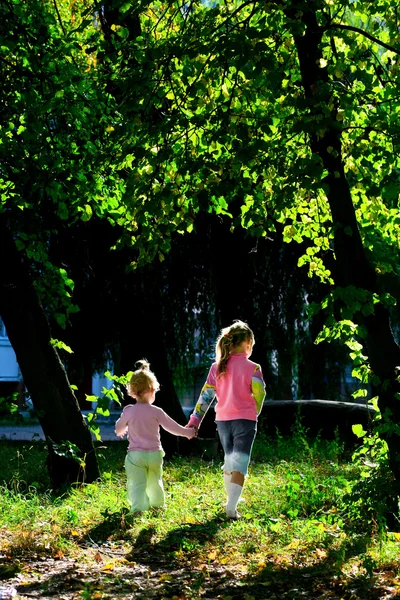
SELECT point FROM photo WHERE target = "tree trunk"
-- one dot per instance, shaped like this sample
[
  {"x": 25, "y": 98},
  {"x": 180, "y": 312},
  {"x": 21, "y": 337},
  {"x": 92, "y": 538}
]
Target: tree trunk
[
  {"x": 143, "y": 337},
  {"x": 43, "y": 373},
  {"x": 231, "y": 269},
  {"x": 352, "y": 266}
]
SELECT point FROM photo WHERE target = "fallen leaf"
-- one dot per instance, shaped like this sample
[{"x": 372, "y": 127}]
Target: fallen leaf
[
  {"x": 166, "y": 577},
  {"x": 129, "y": 563},
  {"x": 230, "y": 574},
  {"x": 261, "y": 564}
]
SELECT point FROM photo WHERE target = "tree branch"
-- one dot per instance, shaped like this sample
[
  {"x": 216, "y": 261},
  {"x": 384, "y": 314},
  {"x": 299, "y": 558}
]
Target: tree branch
[
  {"x": 364, "y": 33},
  {"x": 59, "y": 16},
  {"x": 367, "y": 129},
  {"x": 235, "y": 12}
]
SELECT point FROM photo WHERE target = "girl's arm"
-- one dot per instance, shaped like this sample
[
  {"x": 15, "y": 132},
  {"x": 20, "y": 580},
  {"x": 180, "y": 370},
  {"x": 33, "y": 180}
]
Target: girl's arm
[
  {"x": 258, "y": 388},
  {"x": 121, "y": 426},
  {"x": 173, "y": 427},
  {"x": 204, "y": 402}
]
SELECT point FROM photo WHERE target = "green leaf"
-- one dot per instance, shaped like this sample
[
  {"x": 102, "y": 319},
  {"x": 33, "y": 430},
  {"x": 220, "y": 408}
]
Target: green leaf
[
  {"x": 125, "y": 7},
  {"x": 87, "y": 213},
  {"x": 61, "y": 345},
  {"x": 358, "y": 430}
]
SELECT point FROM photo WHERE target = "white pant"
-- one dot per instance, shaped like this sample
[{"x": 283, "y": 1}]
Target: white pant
[{"x": 144, "y": 479}]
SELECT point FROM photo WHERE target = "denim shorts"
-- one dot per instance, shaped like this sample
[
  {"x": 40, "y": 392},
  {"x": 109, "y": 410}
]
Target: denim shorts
[{"x": 237, "y": 439}]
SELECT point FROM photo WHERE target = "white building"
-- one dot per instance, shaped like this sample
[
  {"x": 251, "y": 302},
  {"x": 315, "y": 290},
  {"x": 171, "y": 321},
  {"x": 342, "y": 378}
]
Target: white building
[{"x": 9, "y": 369}]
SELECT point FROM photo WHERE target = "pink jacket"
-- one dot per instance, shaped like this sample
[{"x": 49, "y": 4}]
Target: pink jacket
[
  {"x": 142, "y": 424},
  {"x": 240, "y": 391}
]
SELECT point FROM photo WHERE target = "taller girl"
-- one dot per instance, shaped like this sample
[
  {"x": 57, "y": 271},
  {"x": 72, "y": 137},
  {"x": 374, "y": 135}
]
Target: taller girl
[{"x": 238, "y": 384}]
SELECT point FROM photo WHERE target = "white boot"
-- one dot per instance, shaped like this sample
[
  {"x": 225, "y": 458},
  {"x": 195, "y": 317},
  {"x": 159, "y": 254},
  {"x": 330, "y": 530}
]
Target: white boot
[
  {"x": 227, "y": 482},
  {"x": 233, "y": 498}
]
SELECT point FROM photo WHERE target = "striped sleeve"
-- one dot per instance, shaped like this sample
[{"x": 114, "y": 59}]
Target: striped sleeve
[
  {"x": 206, "y": 397},
  {"x": 258, "y": 388}
]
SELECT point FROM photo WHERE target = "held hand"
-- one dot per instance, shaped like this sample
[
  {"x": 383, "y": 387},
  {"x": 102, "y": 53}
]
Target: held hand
[
  {"x": 121, "y": 434},
  {"x": 194, "y": 427}
]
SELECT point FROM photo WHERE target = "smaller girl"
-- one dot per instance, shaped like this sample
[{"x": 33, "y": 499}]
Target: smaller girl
[
  {"x": 238, "y": 384},
  {"x": 141, "y": 421}
]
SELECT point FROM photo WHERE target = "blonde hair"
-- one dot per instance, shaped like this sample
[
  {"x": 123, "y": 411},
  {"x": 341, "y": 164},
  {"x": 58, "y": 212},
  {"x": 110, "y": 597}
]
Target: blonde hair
[
  {"x": 143, "y": 380},
  {"x": 229, "y": 338}
]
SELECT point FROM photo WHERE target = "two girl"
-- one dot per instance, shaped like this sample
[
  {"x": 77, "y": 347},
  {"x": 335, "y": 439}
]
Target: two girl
[{"x": 238, "y": 384}]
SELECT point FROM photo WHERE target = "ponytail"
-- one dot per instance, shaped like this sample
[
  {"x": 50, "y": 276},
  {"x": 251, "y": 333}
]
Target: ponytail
[
  {"x": 224, "y": 348},
  {"x": 229, "y": 339},
  {"x": 143, "y": 380}
]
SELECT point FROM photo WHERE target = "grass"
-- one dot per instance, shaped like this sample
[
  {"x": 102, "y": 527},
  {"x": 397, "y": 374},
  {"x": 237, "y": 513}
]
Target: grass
[{"x": 294, "y": 512}]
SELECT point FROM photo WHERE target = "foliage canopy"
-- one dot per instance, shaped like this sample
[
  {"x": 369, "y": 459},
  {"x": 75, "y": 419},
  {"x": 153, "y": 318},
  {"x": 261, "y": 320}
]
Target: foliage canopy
[{"x": 283, "y": 116}]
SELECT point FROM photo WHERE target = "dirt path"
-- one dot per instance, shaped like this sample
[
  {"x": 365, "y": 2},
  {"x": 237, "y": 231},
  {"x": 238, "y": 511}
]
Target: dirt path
[{"x": 113, "y": 571}]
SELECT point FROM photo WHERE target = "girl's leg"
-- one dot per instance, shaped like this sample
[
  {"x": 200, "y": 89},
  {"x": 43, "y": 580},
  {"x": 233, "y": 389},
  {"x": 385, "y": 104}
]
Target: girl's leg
[
  {"x": 226, "y": 439},
  {"x": 235, "y": 491},
  {"x": 244, "y": 432},
  {"x": 227, "y": 481},
  {"x": 237, "y": 477},
  {"x": 136, "y": 476},
  {"x": 234, "y": 477},
  {"x": 155, "y": 488},
  {"x": 225, "y": 432}
]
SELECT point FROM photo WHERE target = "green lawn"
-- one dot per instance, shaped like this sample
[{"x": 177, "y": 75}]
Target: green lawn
[{"x": 295, "y": 513}]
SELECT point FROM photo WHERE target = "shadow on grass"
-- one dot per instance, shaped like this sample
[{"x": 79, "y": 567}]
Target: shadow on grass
[
  {"x": 180, "y": 543},
  {"x": 279, "y": 578},
  {"x": 305, "y": 584},
  {"x": 184, "y": 541},
  {"x": 151, "y": 571},
  {"x": 114, "y": 524}
]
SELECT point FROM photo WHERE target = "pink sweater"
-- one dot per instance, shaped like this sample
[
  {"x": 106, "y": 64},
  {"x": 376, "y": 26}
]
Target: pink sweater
[
  {"x": 142, "y": 424},
  {"x": 240, "y": 391}
]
